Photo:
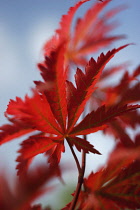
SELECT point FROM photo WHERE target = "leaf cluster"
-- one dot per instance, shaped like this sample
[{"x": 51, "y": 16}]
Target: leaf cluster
[{"x": 55, "y": 114}]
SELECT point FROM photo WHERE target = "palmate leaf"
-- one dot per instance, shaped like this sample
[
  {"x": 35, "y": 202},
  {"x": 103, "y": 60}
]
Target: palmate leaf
[
  {"x": 97, "y": 120},
  {"x": 85, "y": 84},
  {"x": 54, "y": 73},
  {"x": 92, "y": 33},
  {"x": 115, "y": 186},
  {"x": 125, "y": 188},
  {"x": 46, "y": 110}
]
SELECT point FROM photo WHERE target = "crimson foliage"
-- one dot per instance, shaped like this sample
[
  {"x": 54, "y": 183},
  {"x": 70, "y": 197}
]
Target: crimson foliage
[{"x": 55, "y": 113}]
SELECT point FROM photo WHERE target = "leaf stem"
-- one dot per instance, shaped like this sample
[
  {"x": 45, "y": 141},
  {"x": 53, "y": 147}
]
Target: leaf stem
[
  {"x": 75, "y": 157},
  {"x": 80, "y": 180}
]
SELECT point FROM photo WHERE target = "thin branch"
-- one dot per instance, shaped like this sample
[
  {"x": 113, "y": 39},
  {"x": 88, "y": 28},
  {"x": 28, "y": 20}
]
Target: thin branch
[
  {"x": 75, "y": 157},
  {"x": 84, "y": 158}
]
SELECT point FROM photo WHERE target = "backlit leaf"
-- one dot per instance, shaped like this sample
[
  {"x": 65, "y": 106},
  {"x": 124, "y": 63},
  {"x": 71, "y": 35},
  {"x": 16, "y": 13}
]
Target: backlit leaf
[
  {"x": 13, "y": 130},
  {"x": 34, "y": 111},
  {"x": 54, "y": 73},
  {"x": 85, "y": 84},
  {"x": 98, "y": 119},
  {"x": 82, "y": 144},
  {"x": 115, "y": 186}
]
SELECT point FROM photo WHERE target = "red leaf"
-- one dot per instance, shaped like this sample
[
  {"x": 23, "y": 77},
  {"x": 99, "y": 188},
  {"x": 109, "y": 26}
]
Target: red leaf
[
  {"x": 63, "y": 33},
  {"x": 50, "y": 111},
  {"x": 119, "y": 132},
  {"x": 124, "y": 190},
  {"x": 110, "y": 71},
  {"x": 35, "y": 112},
  {"x": 92, "y": 32},
  {"x": 82, "y": 28},
  {"x": 77, "y": 97},
  {"x": 26, "y": 189},
  {"x": 54, "y": 73},
  {"x": 31, "y": 147},
  {"x": 35, "y": 145},
  {"x": 14, "y": 130},
  {"x": 23, "y": 165},
  {"x": 132, "y": 94},
  {"x": 124, "y": 92},
  {"x": 55, "y": 154},
  {"x": 116, "y": 185},
  {"x": 66, "y": 21},
  {"x": 136, "y": 72},
  {"x": 82, "y": 144},
  {"x": 84, "y": 40},
  {"x": 97, "y": 120}
]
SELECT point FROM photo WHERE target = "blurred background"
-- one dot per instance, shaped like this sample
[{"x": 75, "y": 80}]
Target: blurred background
[{"x": 24, "y": 27}]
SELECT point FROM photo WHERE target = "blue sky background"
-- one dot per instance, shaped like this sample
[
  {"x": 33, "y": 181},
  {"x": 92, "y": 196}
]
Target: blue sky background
[{"x": 24, "y": 27}]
